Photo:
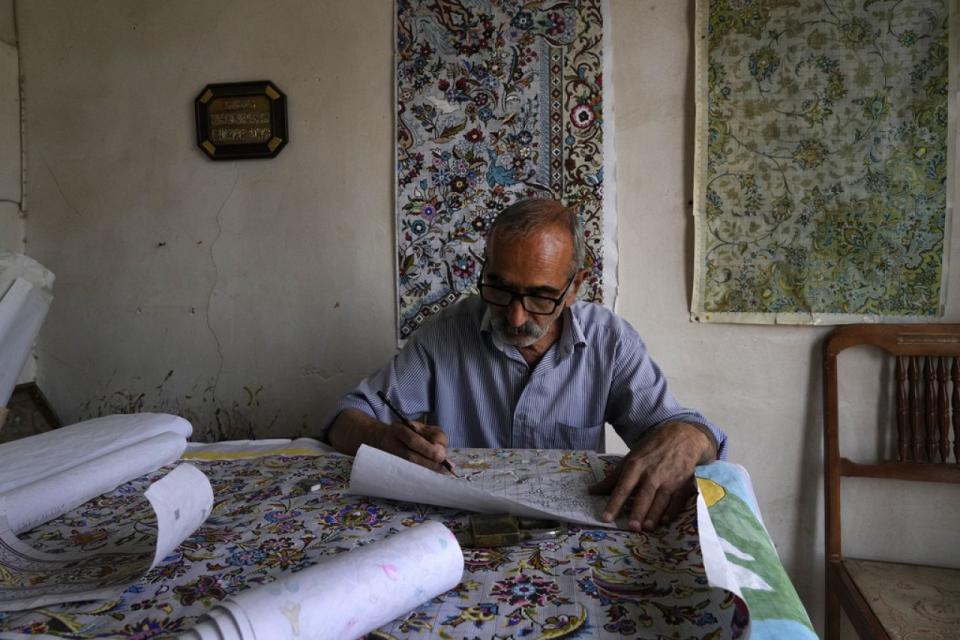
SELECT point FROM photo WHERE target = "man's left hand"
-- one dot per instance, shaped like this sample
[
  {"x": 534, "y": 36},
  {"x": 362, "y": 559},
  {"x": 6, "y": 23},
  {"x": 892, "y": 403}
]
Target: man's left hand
[{"x": 656, "y": 476}]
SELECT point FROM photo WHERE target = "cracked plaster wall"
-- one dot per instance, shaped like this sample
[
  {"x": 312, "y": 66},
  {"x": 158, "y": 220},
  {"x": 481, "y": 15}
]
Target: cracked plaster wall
[
  {"x": 245, "y": 295},
  {"x": 250, "y": 295}
]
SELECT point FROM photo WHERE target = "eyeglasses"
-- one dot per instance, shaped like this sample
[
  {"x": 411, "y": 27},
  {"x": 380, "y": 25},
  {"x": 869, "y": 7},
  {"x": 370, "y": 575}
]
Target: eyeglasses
[{"x": 504, "y": 297}]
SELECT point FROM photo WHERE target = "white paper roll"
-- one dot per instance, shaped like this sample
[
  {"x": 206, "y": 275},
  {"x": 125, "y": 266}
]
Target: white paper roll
[
  {"x": 47, "y": 454},
  {"x": 51, "y": 496},
  {"x": 344, "y": 596},
  {"x": 22, "y": 311},
  {"x": 181, "y": 502}
]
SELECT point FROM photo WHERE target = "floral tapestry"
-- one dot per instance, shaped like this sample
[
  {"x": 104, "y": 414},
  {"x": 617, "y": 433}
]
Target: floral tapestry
[
  {"x": 821, "y": 162},
  {"x": 497, "y": 100}
]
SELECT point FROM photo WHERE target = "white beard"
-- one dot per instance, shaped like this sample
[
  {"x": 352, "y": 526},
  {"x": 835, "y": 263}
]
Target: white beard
[{"x": 526, "y": 335}]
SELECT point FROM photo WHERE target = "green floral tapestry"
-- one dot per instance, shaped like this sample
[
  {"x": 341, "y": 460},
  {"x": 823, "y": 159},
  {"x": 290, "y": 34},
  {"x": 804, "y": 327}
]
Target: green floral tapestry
[{"x": 821, "y": 163}]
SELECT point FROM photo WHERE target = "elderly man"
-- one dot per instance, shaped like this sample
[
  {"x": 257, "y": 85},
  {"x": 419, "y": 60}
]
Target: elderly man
[{"x": 525, "y": 365}]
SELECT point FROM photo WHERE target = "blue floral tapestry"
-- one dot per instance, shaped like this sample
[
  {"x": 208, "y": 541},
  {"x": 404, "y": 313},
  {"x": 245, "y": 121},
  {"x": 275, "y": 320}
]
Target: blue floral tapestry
[
  {"x": 496, "y": 100},
  {"x": 821, "y": 163}
]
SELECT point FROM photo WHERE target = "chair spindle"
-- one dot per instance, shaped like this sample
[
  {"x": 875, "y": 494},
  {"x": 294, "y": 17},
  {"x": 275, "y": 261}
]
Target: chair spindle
[
  {"x": 903, "y": 404},
  {"x": 916, "y": 409},
  {"x": 955, "y": 379},
  {"x": 932, "y": 431},
  {"x": 943, "y": 423}
]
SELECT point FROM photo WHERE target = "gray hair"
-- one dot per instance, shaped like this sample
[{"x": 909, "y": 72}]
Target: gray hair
[{"x": 532, "y": 214}]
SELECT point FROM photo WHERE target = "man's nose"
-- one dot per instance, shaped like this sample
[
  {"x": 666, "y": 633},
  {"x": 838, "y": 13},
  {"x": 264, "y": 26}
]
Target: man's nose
[{"x": 516, "y": 314}]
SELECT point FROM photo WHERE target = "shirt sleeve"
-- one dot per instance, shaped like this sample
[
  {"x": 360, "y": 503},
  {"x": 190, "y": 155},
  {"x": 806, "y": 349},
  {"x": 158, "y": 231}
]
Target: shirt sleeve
[
  {"x": 640, "y": 399},
  {"x": 407, "y": 380}
]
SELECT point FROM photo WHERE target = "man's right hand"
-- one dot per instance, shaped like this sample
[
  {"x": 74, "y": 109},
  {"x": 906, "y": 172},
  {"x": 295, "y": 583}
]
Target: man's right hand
[{"x": 425, "y": 445}]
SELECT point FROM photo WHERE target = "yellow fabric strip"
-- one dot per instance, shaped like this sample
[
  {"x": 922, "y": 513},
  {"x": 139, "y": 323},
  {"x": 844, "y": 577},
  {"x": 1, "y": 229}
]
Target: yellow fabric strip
[{"x": 237, "y": 455}]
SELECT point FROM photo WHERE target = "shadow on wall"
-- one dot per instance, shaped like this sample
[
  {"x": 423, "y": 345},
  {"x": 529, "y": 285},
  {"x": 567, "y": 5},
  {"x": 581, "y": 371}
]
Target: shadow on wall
[
  {"x": 807, "y": 561},
  {"x": 689, "y": 137}
]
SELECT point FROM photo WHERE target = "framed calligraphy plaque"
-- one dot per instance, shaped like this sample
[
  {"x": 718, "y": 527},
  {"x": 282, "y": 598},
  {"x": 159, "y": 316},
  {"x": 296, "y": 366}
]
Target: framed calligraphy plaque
[{"x": 238, "y": 120}]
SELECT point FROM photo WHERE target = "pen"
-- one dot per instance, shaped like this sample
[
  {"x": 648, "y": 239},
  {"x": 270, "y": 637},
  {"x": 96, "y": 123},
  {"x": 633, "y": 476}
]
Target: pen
[{"x": 403, "y": 419}]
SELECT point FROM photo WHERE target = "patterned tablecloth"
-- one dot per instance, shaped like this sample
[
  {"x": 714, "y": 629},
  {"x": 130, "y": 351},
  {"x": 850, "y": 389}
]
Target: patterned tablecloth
[{"x": 585, "y": 583}]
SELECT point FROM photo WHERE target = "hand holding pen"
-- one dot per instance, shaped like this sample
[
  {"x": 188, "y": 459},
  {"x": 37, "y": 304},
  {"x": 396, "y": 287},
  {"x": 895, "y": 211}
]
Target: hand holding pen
[{"x": 425, "y": 436}]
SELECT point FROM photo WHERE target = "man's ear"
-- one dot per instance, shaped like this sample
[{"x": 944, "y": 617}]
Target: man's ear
[{"x": 575, "y": 287}]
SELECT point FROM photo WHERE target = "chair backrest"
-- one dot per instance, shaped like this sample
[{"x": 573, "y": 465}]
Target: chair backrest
[{"x": 926, "y": 388}]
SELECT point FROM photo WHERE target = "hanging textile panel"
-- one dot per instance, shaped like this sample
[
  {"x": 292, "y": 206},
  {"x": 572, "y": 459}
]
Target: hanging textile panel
[
  {"x": 496, "y": 101},
  {"x": 821, "y": 161}
]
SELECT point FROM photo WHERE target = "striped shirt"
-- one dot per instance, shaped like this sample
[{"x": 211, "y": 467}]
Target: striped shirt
[{"x": 455, "y": 373}]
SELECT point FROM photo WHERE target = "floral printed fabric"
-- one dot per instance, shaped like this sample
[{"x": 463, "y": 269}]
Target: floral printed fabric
[
  {"x": 821, "y": 159},
  {"x": 585, "y": 583},
  {"x": 496, "y": 100}
]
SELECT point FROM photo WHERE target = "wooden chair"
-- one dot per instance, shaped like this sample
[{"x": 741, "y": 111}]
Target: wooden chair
[{"x": 926, "y": 390}]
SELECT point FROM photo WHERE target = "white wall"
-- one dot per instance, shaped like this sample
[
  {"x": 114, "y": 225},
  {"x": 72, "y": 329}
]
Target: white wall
[
  {"x": 266, "y": 288},
  {"x": 11, "y": 222}
]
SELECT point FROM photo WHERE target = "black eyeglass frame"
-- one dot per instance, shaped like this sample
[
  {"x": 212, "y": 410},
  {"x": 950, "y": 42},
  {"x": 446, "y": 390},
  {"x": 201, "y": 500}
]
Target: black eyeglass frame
[{"x": 523, "y": 296}]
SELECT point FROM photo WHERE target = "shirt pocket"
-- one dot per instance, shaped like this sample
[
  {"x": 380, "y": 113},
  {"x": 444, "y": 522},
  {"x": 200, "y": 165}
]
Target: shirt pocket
[{"x": 567, "y": 436}]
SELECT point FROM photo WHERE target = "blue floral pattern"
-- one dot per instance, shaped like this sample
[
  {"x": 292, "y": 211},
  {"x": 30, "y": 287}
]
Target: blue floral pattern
[
  {"x": 495, "y": 101},
  {"x": 585, "y": 583}
]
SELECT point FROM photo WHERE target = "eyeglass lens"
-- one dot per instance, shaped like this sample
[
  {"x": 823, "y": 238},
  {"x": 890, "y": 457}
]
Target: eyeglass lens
[{"x": 503, "y": 298}]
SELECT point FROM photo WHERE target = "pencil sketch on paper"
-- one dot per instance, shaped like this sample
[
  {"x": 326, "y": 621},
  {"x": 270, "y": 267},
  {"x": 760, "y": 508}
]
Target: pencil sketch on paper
[
  {"x": 525, "y": 482},
  {"x": 545, "y": 479}
]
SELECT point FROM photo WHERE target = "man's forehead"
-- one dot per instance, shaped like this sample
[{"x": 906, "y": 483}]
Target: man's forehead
[
  {"x": 528, "y": 280},
  {"x": 550, "y": 240},
  {"x": 539, "y": 260}
]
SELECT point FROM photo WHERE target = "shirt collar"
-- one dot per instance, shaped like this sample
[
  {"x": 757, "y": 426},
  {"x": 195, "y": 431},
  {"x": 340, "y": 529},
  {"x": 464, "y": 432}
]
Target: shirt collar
[{"x": 572, "y": 333}]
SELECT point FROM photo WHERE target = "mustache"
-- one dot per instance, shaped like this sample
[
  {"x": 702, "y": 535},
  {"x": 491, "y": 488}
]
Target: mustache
[{"x": 528, "y": 329}]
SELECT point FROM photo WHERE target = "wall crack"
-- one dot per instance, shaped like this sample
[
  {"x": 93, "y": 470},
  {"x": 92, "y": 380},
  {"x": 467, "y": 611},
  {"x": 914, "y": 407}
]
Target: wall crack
[
  {"x": 216, "y": 280},
  {"x": 63, "y": 195}
]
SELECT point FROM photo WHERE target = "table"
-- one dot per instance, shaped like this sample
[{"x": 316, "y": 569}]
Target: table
[{"x": 265, "y": 522}]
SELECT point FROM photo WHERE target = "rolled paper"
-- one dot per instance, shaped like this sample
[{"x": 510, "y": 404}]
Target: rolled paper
[
  {"x": 53, "y": 452},
  {"x": 344, "y": 596},
  {"x": 22, "y": 310},
  {"x": 51, "y": 496},
  {"x": 181, "y": 502}
]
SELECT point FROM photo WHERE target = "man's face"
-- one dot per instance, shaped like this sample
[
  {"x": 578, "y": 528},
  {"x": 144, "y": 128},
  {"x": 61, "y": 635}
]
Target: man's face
[{"x": 536, "y": 264}]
